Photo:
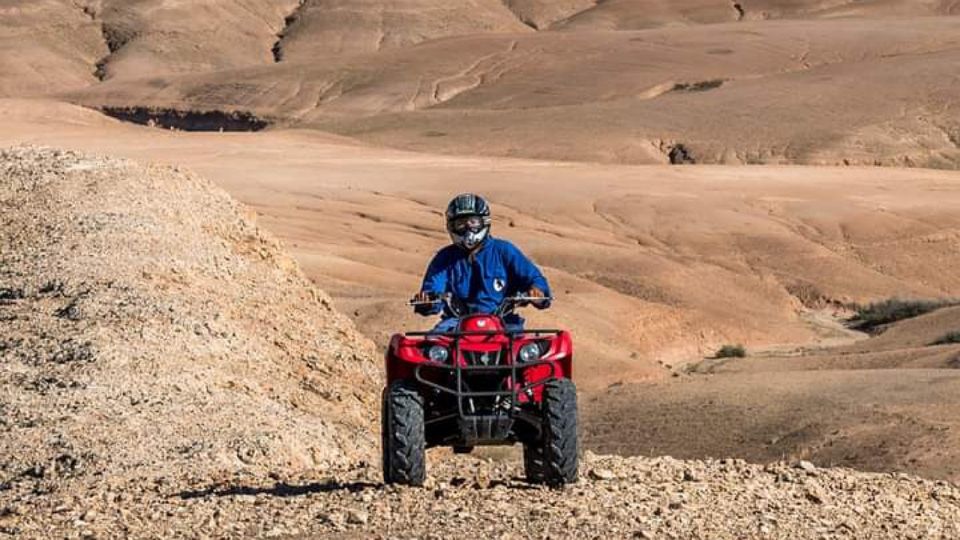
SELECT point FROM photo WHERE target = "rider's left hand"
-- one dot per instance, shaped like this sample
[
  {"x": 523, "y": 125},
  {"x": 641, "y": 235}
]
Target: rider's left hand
[{"x": 535, "y": 292}]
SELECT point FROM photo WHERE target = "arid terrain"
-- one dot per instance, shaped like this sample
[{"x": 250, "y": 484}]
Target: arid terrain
[
  {"x": 815, "y": 149},
  {"x": 167, "y": 371}
]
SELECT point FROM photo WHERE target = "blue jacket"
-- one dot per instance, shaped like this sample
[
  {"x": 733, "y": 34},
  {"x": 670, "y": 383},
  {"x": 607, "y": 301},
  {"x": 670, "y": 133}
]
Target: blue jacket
[{"x": 482, "y": 280}]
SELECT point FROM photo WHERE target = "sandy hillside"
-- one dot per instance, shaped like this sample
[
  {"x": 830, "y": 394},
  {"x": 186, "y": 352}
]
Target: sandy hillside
[
  {"x": 888, "y": 402},
  {"x": 750, "y": 92},
  {"x": 103, "y": 39},
  {"x": 159, "y": 408},
  {"x": 799, "y": 81},
  {"x": 325, "y": 28},
  {"x": 47, "y": 46},
  {"x": 633, "y": 14}
]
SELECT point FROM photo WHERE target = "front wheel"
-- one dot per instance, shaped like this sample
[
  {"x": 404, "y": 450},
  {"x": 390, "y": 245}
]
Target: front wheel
[
  {"x": 534, "y": 465},
  {"x": 560, "y": 458},
  {"x": 402, "y": 435}
]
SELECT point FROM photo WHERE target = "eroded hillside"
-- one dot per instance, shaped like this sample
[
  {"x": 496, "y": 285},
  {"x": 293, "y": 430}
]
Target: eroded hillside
[{"x": 767, "y": 82}]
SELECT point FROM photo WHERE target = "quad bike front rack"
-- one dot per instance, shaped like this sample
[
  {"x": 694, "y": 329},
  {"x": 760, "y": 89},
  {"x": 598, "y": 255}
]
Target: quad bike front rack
[{"x": 476, "y": 427}]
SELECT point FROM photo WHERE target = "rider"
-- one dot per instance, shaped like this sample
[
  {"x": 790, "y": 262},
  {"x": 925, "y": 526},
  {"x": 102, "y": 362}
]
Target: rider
[{"x": 477, "y": 270}]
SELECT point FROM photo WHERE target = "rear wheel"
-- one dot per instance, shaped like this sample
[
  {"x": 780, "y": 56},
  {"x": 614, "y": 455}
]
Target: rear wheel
[
  {"x": 560, "y": 459},
  {"x": 402, "y": 435}
]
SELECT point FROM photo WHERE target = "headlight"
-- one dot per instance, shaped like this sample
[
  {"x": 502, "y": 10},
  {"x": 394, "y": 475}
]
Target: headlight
[
  {"x": 530, "y": 352},
  {"x": 438, "y": 353}
]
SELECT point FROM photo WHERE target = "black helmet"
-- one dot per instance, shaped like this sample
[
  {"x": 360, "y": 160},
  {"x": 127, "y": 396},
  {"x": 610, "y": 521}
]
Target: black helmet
[{"x": 468, "y": 220}]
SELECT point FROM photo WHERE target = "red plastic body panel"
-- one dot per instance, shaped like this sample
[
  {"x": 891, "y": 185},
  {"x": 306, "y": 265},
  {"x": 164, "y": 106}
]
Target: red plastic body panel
[{"x": 481, "y": 323}]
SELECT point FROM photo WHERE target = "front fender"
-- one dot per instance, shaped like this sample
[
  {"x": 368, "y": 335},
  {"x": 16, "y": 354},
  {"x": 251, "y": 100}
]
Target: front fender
[{"x": 402, "y": 357}]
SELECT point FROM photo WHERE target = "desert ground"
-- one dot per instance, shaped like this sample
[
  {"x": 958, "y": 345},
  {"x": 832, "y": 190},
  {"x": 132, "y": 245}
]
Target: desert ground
[{"x": 689, "y": 175}]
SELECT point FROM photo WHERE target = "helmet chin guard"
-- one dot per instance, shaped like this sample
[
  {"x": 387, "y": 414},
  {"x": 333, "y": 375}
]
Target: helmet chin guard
[{"x": 470, "y": 239}]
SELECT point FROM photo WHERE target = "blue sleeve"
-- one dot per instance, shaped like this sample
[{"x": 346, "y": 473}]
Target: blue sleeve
[
  {"x": 523, "y": 270},
  {"x": 435, "y": 281}
]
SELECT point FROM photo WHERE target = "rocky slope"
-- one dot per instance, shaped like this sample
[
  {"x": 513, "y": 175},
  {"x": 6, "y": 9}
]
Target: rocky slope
[{"x": 151, "y": 331}]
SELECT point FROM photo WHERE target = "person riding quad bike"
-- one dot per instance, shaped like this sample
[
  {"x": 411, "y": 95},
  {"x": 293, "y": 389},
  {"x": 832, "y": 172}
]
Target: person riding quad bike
[
  {"x": 479, "y": 377},
  {"x": 477, "y": 270}
]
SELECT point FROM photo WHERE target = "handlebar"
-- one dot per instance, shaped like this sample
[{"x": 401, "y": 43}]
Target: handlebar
[
  {"x": 521, "y": 298},
  {"x": 508, "y": 303}
]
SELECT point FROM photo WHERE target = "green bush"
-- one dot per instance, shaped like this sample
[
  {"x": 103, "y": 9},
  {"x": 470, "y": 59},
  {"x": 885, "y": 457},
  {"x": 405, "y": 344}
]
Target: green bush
[
  {"x": 877, "y": 314},
  {"x": 731, "y": 351},
  {"x": 948, "y": 338}
]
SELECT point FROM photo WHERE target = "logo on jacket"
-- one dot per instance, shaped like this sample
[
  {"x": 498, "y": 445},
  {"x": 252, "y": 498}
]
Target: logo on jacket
[{"x": 498, "y": 284}]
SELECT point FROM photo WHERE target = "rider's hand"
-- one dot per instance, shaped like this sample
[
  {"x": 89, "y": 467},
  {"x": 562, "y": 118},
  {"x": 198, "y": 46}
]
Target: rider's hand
[
  {"x": 423, "y": 303},
  {"x": 422, "y": 297},
  {"x": 535, "y": 292}
]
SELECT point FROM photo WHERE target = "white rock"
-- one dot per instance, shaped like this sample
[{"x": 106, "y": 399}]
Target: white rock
[
  {"x": 357, "y": 517},
  {"x": 602, "y": 474}
]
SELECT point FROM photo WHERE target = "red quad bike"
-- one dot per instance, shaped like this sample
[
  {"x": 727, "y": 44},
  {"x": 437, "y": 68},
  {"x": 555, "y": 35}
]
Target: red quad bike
[{"x": 480, "y": 385}]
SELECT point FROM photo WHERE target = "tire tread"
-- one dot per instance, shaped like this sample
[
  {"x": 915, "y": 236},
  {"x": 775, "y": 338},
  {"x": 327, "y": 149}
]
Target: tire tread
[
  {"x": 560, "y": 452},
  {"x": 403, "y": 435}
]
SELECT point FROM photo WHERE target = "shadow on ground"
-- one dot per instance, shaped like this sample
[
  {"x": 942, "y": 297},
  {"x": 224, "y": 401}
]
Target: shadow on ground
[{"x": 280, "y": 489}]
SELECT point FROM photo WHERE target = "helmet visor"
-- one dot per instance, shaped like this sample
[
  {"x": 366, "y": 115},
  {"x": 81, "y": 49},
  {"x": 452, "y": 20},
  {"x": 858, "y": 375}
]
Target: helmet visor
[{"x": 463, "y": 224}]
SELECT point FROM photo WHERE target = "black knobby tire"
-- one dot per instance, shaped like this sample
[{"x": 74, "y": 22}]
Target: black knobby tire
[
  {"x": 561, "y": 461},
  {"x": 534, "y": 465},
  {"x": 402, "y": 435}
]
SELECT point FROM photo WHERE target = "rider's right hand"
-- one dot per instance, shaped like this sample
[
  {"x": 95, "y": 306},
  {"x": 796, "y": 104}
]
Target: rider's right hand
[
  {"x": 424, "y": 303},
  {"x": 423, "y": 297}
]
